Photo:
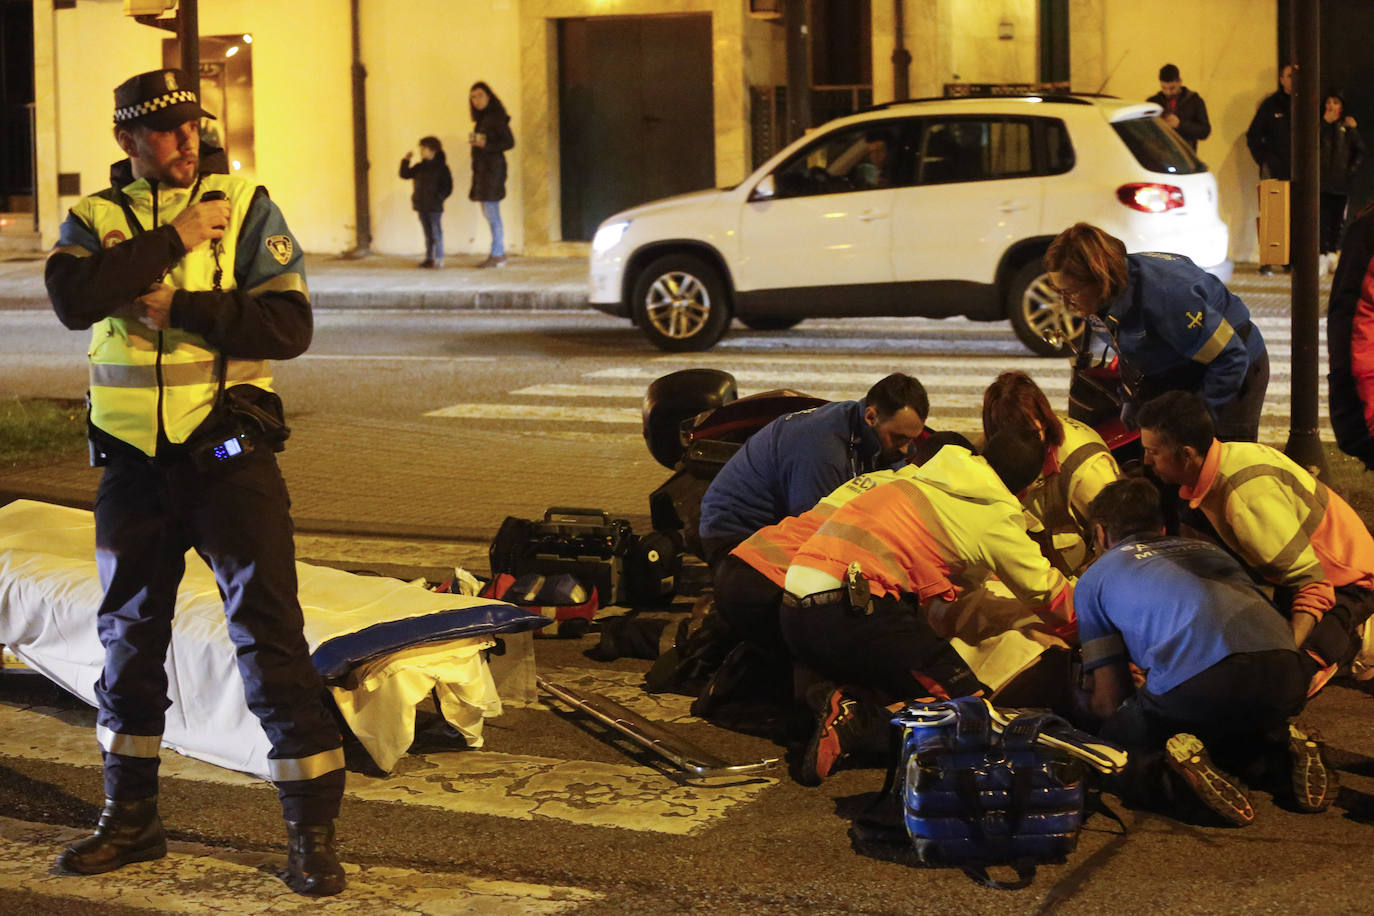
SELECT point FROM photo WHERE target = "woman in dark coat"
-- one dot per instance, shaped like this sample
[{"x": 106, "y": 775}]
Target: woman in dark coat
[
  {"x": 490, "y": 138},
  {"x": 433, "y": 185}
]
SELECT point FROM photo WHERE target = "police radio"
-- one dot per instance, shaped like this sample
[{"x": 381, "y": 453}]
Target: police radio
[{"x": 217, "y": 245}]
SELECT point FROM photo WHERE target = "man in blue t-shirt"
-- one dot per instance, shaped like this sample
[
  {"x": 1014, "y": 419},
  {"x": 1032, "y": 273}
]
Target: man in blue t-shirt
[{"x": 1221, "y": 670}]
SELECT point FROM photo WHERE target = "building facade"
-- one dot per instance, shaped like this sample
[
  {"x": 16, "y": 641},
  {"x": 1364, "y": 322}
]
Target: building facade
[{"x": 613, "y": 102}]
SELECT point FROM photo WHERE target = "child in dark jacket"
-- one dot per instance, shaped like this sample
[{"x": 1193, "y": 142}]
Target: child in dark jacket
[{"x": 433, "y": 184}]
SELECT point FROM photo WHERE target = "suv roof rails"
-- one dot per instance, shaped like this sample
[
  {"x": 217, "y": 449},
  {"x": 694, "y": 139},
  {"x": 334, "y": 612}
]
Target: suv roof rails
[{"x": 1065, "y": 98}]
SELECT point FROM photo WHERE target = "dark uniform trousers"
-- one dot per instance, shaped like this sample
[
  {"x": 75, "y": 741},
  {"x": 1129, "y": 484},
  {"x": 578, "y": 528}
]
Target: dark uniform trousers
[
  {"x": 1239, "y": 708},
  {"x": 891, "y": 649},
  {"x": 237, "y": 517}
]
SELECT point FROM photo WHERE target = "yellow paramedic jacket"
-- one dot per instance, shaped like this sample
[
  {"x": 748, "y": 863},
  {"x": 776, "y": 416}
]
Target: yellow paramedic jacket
[
  {"x": 939, "y": 530},
  {"x": 1075, "y": 472},
  {"x": 1286, "y": 525},
  {"x": 237, "y": 304}
]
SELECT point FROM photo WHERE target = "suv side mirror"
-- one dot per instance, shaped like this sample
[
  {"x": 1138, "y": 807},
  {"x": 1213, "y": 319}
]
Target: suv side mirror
[{"x": 765, "y": 189}]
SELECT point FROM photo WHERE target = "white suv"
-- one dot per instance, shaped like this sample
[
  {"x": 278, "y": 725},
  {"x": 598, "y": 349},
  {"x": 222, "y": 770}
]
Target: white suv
[{"x": 935, "y": 208}]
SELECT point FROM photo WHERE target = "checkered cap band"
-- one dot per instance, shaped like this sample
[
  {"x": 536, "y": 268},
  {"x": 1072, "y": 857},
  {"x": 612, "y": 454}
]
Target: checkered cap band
[{"x": 166, "y": 100}]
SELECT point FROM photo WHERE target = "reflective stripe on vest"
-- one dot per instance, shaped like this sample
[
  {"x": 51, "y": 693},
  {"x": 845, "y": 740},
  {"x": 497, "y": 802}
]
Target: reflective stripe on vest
[
  {"x": 112, "y": 742},
  {"x": 135, "y": 370},
  {"x": 1284, "y": 556},
  {"x": 297, "y": 769},
  {"x": 770, "y": 550}
]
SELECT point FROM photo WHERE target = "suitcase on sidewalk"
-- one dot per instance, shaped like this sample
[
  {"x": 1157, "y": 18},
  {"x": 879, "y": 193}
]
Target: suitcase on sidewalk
[
  {"x": 585, "y": 543},
  {"x": 1273, "y": 222}
]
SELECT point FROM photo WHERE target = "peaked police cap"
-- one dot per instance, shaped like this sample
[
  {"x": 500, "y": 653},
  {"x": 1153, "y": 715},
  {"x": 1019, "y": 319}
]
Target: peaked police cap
[{"x": 159, "y": 99}]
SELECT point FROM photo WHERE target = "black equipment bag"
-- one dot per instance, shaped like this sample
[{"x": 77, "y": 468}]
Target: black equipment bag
[{"x": 585, "y": 543}]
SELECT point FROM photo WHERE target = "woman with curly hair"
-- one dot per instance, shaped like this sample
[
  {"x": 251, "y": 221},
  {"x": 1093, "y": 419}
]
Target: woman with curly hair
[{"x": 1078, "y": 465}]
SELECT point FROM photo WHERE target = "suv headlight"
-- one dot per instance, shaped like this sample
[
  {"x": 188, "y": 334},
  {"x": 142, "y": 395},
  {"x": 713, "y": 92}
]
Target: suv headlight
[{"x": 609, "y": 236}]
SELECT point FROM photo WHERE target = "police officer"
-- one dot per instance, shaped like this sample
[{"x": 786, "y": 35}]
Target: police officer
[
  {"x": 190, "y": 283},
  {"x": 1176, "y": 327}
]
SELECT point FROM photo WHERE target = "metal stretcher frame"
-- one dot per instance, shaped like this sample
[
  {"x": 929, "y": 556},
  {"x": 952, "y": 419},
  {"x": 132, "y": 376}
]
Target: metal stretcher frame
[{"x": 685, "y": 754}]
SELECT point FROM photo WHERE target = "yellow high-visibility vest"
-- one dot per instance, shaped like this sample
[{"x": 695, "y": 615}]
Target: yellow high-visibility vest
[{"x": 142, "y": 379}]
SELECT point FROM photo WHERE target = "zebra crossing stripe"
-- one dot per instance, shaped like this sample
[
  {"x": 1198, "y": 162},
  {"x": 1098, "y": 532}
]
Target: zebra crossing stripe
[{"x": 609, "y": 415}]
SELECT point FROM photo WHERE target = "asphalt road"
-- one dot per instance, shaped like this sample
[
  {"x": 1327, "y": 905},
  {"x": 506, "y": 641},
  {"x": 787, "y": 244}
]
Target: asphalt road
[{"x": 551, "y": 816}]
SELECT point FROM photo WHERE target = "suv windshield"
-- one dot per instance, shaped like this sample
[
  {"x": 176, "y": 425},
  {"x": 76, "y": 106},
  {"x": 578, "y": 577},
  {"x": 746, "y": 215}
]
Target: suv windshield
[{"x": 1157, "y": 148}]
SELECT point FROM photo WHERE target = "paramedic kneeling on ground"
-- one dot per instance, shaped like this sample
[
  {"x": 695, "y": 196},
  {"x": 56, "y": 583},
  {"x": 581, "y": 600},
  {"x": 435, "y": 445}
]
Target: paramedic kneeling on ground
[
  {"x": 190, "y": 282},
  {"x": 1078, "y": 465},
  {"x": 786, "y": 467},
  {"x": 859, "y": 591},
  {"x": 1284, "y": 525},
  {"x": 1222, "y": 676}
]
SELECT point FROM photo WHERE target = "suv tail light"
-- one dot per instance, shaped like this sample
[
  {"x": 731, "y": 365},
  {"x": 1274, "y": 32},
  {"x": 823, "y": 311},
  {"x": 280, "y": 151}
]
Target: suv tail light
[{"x": 1150, "y": 198}]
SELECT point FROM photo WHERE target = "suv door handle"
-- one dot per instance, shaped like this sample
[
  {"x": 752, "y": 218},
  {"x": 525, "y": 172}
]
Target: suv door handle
[
  {"x": 869, "y": 216},
  {"x": 1012, "y": 206}
]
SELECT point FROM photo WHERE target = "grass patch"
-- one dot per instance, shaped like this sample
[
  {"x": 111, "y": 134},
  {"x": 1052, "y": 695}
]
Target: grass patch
[{"x": 38, "y": 430}]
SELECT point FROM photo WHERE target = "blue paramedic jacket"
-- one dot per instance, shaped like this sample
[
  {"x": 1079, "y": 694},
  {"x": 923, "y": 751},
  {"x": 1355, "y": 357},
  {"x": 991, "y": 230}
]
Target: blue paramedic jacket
[
  {"x": 1179, "y": 324},
  {"x": 785, "y": 468}
]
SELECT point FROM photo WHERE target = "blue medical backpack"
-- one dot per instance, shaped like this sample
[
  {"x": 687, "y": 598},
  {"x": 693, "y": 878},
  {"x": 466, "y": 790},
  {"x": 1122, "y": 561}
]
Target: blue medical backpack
[{"x": 978, "y": 789}]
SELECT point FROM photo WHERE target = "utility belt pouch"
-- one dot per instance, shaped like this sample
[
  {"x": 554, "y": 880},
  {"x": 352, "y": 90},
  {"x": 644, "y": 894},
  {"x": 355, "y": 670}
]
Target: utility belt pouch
[
  {"x": 246, "y": 419},
  {"x": 258, "y": 414},
  {"x": 857, "y": 592},
  {"x": 227, "y": 446}
]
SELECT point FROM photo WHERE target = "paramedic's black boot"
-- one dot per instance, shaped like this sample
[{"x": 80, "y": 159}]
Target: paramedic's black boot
[
  {"x": 129, "y": 831},
  {"x": 312, "y": 866}
]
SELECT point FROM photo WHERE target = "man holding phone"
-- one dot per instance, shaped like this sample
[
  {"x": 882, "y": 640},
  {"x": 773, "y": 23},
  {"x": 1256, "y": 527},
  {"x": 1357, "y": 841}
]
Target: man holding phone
[{"x": 190, "y": 283}]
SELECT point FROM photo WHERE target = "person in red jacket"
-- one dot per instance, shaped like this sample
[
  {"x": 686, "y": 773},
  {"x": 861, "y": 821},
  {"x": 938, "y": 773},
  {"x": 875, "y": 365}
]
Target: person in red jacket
[{"x": 1350, "y": 341}]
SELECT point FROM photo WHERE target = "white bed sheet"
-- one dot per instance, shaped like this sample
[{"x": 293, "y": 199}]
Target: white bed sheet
[{"x": 49, "y": 592}]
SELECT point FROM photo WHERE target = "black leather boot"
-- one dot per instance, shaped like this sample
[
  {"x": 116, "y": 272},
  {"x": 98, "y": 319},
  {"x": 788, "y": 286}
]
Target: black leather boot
[
  {"x": 129, "y": 831},
  {"x": 312, "y": 866}
]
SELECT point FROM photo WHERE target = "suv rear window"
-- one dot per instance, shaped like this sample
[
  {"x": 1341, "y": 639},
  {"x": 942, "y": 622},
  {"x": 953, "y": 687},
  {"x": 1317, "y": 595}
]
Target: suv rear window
[{"x": 1158, "y": 149}]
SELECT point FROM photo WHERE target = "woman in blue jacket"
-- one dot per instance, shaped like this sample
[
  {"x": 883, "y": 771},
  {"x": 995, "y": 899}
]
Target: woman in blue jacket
[{"x": 1175, "y": 326}]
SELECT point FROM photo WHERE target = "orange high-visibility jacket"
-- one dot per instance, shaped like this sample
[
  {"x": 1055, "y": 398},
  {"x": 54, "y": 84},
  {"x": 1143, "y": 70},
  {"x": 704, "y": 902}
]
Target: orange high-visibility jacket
[
  {"x": 770, "y": 549},
  {"x": 1286, "y": 525},
  {"x": 937, "y": 531}
]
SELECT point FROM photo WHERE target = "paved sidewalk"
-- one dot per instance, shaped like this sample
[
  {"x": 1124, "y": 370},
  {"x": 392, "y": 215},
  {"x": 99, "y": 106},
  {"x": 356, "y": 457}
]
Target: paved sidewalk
[{"x": 383, "y": 281}]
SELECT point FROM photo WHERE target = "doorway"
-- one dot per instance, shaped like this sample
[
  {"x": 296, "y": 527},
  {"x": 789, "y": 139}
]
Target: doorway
[
  {"x": 16, "y": 107},
  {"x": 636, "y": 114},
  {"x": 226, "y": 91}
]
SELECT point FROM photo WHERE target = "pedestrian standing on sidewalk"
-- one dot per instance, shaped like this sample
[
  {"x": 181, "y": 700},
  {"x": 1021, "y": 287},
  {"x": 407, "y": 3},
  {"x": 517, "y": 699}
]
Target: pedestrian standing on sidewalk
[
  {"x": 1341, "y": 151},
  {"x": 490, "y": 138},
  {"x": 1184, "y": 109},
  {"x": 433, "y": 185},
  {"x": 190, "y": 282}
]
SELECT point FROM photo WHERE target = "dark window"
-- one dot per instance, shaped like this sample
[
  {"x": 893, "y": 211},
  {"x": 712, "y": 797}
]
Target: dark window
[
  {"x": 859, "y": 157},
  {"x": 975, "y": 149},
  {"x": 1058, "y": 155},
  {"x": 1158, "y": 149}
]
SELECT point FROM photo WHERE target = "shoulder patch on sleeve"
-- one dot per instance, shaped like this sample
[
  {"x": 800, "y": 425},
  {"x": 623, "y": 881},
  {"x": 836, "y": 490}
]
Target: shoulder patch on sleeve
[{"x": 280, "y": 247}]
